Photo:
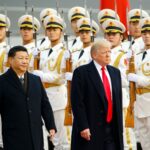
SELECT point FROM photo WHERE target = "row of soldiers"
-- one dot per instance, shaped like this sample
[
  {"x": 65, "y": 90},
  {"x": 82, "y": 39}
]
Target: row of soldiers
[{"x": 48, "y": 61}]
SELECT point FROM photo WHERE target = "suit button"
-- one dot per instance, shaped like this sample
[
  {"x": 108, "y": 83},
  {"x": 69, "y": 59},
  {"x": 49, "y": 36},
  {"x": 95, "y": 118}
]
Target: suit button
[{"x": 27, "y": 98}]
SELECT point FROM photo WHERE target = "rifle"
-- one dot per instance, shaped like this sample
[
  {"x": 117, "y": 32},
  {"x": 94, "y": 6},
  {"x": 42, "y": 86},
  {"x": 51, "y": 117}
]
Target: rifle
[
  {"x": 68, "y": 109},
  {"x": 26, "y": 7},
  {"x": 129, "y": 120}
]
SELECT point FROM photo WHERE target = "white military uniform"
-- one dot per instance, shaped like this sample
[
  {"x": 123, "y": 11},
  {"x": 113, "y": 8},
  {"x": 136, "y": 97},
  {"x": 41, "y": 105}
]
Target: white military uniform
[
  {"x": 4, "y": 48},
  {"x": 119, "y": 60},
  {"x": 51, "y": 72},
  {"x": 52, "y": 65},
  {"x": 142, "y": 103},
  {"x": 3, "y": 68},
  {"x": 43, "y": 43},
  {"x": 75, "y": 44},
  {"x": 3, "y": 57},
  {"x": 84, "y": 59},
  {"x": 137, "y": 46}
]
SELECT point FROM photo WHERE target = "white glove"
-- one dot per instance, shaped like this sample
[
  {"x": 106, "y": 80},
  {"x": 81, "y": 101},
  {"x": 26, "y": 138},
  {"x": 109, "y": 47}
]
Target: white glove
[
  {"x": 35, "y": 51},
  {"x": 67, "y": 54},
  {"x": 68, "y": 76},
  {"x": 38, "y": 73},
  {"x": 133, "y": 77},
  {"x": 129, "y": 54}
]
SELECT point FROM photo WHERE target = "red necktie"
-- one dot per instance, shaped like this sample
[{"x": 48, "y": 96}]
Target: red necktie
[{"x": 108, "y": 94}]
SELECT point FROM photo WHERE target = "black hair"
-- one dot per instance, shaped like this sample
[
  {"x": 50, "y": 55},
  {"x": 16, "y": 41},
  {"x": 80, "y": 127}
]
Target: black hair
[{"x": 12, "y": 52}]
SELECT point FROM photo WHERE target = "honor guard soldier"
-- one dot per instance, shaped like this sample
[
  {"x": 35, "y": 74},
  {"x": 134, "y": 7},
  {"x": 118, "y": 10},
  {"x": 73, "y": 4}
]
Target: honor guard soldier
[
  {"x": 44, "y": 43},
  {"x": 4, "y": 48},
  {"x": 74, "y": 15},
  {"x": 142, "y": 80},
  {"x": 83, "y": 56},
  {"x": 52, "y": 68},
  {"x": 105, "y": 14},
  {"x": 134, "y": 17},
  {"x": 28, "y": 27},
  {"x": 114, "y": 30}
]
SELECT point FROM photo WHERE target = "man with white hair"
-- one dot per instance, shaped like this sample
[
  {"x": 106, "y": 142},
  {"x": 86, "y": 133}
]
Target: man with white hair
[{"x": 96, "y": 98}]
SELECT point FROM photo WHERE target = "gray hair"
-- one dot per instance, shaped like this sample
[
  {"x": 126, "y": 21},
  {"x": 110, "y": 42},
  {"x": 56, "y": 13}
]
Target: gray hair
[{"x": 100, "y": 43}]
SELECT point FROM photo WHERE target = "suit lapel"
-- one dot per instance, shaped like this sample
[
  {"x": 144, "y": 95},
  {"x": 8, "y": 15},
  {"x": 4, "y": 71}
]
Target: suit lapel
[
  {"x": 97, "y": 82},
  {"x": 14, "y": 80}
]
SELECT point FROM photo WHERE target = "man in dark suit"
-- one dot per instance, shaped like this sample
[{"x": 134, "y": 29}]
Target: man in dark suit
[
  {"x": 23, "y": 104},
  {"x": 96, "y": 98}
]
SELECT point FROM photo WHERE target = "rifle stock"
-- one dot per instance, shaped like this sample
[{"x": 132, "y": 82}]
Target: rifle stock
[
  {"x": 37, "y": 62},
  {"x": 68, "y": 110},
  {"x": 129, "y": 122}
]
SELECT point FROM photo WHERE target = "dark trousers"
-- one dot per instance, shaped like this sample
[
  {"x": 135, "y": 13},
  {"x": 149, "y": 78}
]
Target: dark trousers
[{"x": 109, "y": 143}]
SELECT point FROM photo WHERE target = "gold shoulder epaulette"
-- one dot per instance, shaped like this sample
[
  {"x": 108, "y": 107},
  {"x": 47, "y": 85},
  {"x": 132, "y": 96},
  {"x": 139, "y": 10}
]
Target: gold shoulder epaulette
[
  {"x": 44, "y": 49},
  {"x": 76, "y": 50},
  {"x": 122, "y": 51},
  {"x": 139, "y": 53}
]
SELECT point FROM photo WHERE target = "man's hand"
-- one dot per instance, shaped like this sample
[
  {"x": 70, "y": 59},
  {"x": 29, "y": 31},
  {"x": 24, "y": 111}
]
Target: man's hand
[
  {"x": 68, "y": 76},
  {"x": 86, "y": 134},
  {"x": 133, "y": 77},
  {"x": 51, "y": 133}
]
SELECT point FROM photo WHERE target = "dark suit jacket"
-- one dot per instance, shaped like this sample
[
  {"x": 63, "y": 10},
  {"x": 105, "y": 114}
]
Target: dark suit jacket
[
  {"x": 22, "y": 112},
  {"x": 89, "y": 106}
]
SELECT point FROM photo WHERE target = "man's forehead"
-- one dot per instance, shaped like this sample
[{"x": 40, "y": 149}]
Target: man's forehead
[{"x": 22, "y": 53}]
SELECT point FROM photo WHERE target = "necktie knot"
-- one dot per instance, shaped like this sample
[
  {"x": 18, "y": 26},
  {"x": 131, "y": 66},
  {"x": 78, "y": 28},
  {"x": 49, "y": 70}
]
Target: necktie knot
[
  {"x": 103, "y": 68},
  {"x": 21, "y": 80}
]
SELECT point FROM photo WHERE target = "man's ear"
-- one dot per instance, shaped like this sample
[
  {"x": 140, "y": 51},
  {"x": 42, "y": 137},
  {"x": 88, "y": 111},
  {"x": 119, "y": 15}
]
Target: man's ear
[
  {"x": 121, "y": 37},
  {"x": 10, "y": 60}
]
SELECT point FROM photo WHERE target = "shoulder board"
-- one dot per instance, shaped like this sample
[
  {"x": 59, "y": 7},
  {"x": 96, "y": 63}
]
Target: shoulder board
[
  {"x": 44, "y": 49},
  {"x": 139, "y": 53},
  {"x": 122, "y": 51},
  {"x": 76, "y": 51}
]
